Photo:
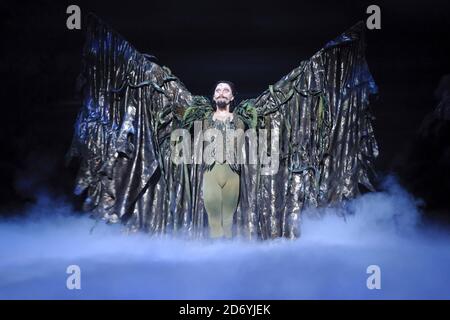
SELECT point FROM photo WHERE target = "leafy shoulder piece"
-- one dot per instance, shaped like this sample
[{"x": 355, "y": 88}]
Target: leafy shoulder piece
[
  {"x": 199, "y": 109},
  {"x": 247, "y": 112}
]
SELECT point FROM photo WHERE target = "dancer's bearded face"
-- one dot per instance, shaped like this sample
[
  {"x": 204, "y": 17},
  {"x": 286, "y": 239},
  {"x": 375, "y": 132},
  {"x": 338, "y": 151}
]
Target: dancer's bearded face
[{"x": 223, "y": 95}]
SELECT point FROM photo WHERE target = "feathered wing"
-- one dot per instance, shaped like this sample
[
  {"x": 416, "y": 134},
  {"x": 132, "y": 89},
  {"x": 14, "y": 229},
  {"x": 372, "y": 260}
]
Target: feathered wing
[
  {"x": 327, "y": 143},
  {"x": 122, "y": 135}
]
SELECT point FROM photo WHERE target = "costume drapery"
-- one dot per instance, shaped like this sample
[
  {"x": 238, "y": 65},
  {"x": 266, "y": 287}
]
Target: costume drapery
[{"x": 131, "y": 105}]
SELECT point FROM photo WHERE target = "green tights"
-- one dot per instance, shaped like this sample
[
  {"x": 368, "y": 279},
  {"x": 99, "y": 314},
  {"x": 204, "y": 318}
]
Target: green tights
[{"x": 220, "y": 196}]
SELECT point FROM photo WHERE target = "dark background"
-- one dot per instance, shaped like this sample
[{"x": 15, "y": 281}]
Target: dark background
[{"x": 252, "y": 44}]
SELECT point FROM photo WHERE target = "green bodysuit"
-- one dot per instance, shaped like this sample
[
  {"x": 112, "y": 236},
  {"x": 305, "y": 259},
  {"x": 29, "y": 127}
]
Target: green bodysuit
[
  {"x": 221, "y": 182},
  {"x": 221, "y": 179}
]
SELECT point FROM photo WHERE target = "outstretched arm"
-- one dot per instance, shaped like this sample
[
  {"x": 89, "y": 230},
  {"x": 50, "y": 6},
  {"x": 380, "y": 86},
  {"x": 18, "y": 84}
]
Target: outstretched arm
[
  {"x": 128, "y": 106},
  {"x": 324, "y": 104},
  {"x": 326, "y": 141}
]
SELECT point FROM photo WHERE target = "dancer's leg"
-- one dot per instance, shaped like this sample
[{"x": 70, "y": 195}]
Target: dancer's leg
[
  {"x": 212, "y": 198},
  {"x": 230, "y": 197}
]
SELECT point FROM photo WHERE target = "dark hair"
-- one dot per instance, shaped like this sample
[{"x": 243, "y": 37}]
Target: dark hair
[{"x": 233, "y": 91}]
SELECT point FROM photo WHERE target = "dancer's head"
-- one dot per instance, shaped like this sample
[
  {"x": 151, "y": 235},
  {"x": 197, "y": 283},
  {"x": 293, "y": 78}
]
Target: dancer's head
[{"x": 224, "y": 94}]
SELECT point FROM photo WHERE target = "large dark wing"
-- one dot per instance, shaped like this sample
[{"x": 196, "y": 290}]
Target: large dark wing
[
  {"x": 327, "y": 144},
  {"x": 122, "y": 133}
]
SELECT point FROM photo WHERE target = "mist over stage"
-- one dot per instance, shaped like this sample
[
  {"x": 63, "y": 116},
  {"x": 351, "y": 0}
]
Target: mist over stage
[{"x": 403, "y": 227}]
